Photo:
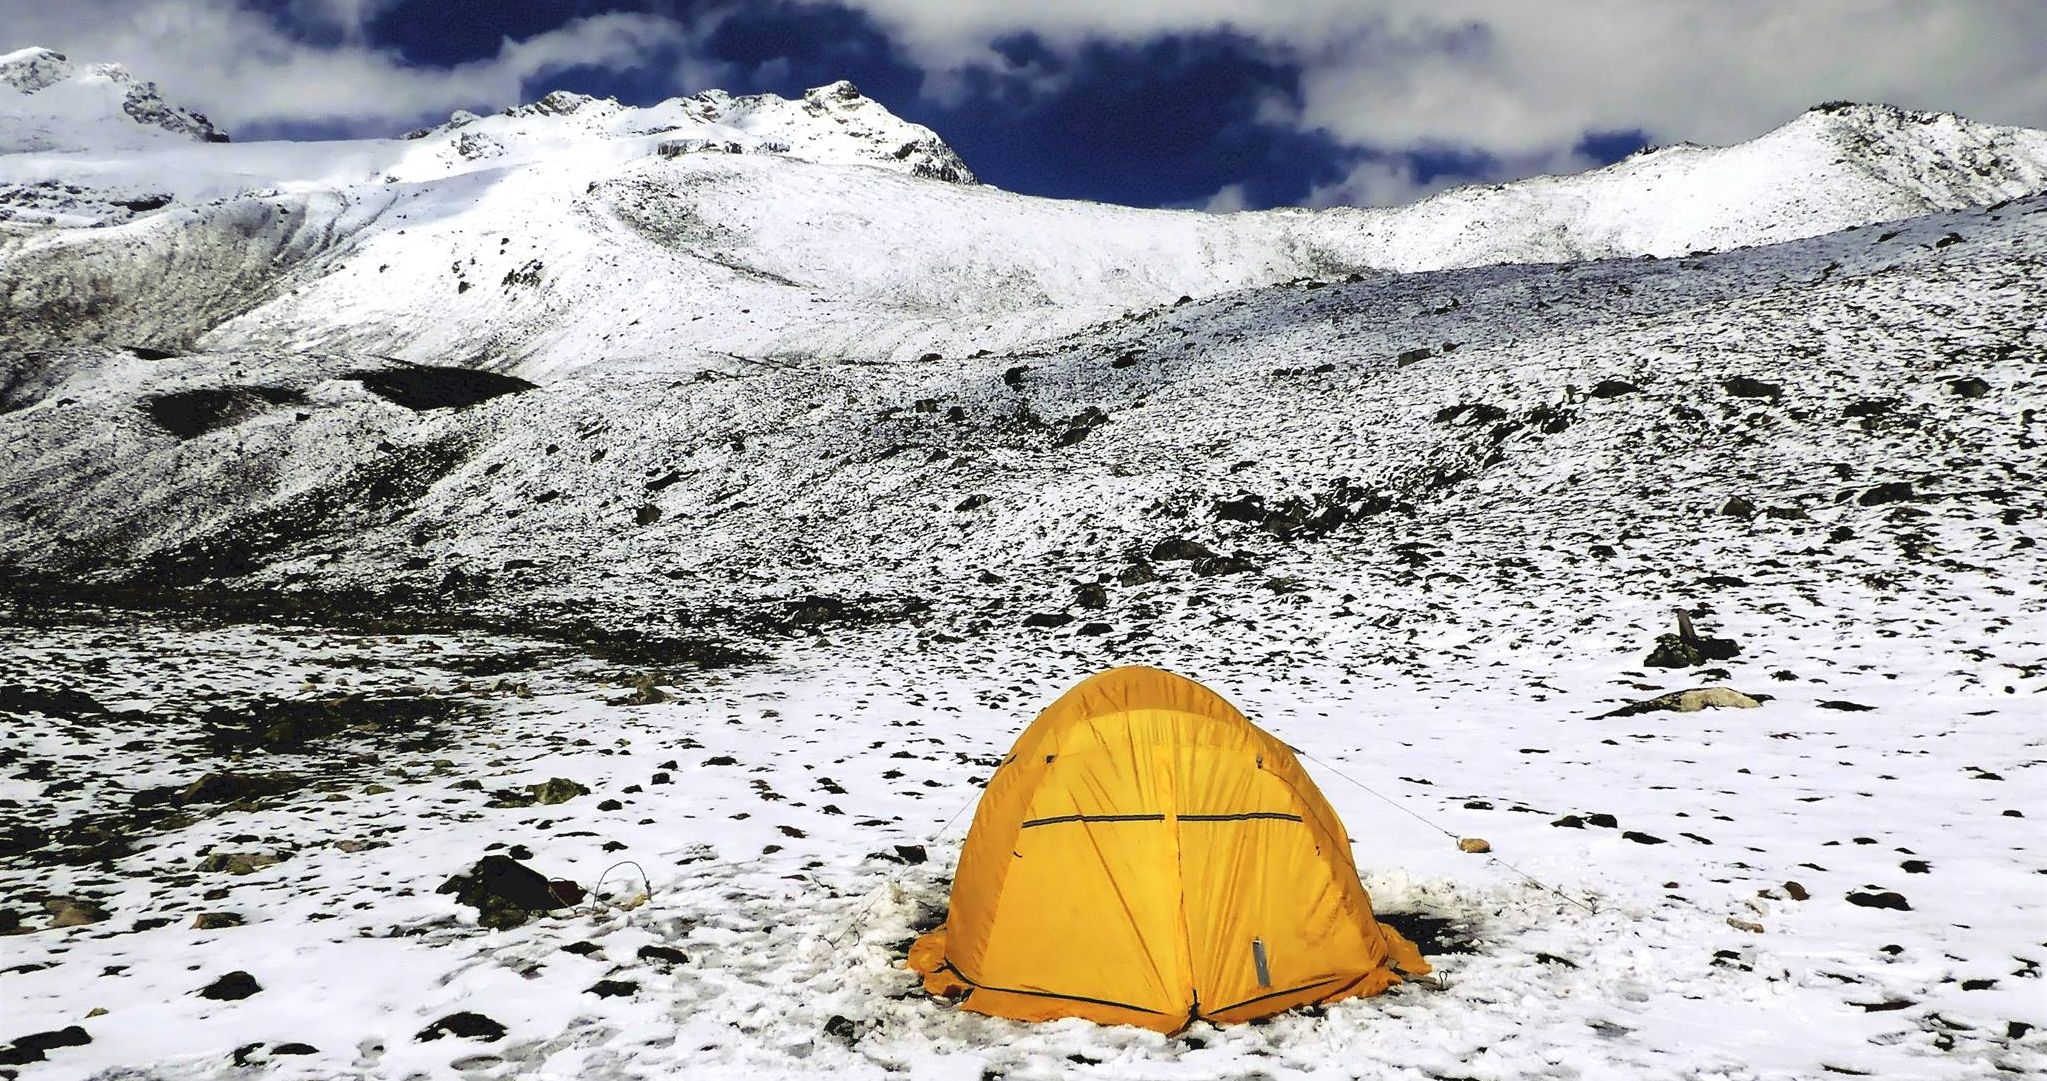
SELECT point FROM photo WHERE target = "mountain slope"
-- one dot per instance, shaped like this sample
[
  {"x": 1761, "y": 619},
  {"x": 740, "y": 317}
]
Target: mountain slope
[
  {"x": 706, "y": 232},
  {"x": 49, "y": 103}
]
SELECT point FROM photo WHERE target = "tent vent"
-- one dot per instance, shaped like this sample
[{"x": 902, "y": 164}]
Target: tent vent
[{"x": 1258, "y": 958}]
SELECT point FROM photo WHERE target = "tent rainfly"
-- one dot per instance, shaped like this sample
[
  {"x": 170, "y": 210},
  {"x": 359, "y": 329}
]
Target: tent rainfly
[{"x": 1147, "y": 856}]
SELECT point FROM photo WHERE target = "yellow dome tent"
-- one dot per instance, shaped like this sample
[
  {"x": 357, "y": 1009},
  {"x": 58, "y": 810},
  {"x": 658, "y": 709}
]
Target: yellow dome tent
[{"x": 1147, "y": 856}]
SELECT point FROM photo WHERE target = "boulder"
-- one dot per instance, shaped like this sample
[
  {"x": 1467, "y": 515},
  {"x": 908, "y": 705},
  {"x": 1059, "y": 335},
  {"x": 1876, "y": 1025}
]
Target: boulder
[
  {"x": 1742, "y": 386},
  {"x": 465, "y": 1025},
  {"x": 239, "y": 863},
  {"x": 232, "y": 987},
  {"x": 1176, "y": 548},
  {"x": 228, "y": 787},
  {"x": 73, "y": 911},
  {"x": 504, "y": 892},
  {"x": 1687, "y": 702}
]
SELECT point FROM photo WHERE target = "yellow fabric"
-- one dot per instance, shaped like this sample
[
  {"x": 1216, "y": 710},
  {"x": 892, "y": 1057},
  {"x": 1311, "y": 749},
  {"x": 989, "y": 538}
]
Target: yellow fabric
[{"x": 1127, "y": 853}]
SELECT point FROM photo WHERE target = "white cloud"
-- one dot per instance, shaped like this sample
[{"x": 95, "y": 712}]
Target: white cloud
[
  {"x": 1523, "y": 81},
  {"x": 1229, "y": 199},
  {"x": 1395, "y": 181},
  {"x": 239, "y": 68}
]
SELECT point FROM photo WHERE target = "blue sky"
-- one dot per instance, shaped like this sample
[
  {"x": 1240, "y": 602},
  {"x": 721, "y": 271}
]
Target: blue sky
[{"x": 1210, "y": 103}]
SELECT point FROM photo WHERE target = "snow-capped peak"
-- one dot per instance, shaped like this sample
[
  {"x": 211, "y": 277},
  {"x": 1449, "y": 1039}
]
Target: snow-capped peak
[
  {"x": 49, "y": 102},
  {"x": 834, "y": 123}
]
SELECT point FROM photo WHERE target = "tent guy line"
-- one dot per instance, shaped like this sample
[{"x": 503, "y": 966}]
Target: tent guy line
[{"x": 1419, "y": 817}]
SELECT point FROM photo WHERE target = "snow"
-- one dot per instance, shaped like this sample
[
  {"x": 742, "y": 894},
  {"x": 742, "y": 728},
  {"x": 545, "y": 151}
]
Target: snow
[
  {"x": 836, "y": 230},
  {"x": 47, "y": 103},
  {"x": 1450, "y": 511}
]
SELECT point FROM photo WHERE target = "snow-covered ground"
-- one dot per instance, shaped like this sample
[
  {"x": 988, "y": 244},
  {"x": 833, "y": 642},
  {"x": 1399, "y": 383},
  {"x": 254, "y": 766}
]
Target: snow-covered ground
[
  {"x": 762, "y": 803},
  {"x": 767, "y": 495}
]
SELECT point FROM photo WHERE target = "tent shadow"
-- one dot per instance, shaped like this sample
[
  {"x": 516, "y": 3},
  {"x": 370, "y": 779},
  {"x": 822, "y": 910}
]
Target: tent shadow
[{"x": 1432, "y": 934}]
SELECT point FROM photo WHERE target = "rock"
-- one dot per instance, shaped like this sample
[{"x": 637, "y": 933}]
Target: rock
[
  {"x": 73, "y": 911},
  {"x": 233, "y": 987},
  {"x": 841, "y": 1028},
  {"x": 1047, "y": 619},
  {"x": 1687, "y": 649},
  {"x": 68, "y": 1036},
  {"x": 1686, "y": 702},
  {"x": 230, "y": 787},
  {"x": 465, "y": 1025},
  {"x": 666, "y": 955},
  {"x": 504, "y": 892},
  {"x": 612, "y": 989},
  {"x": 17, "y": 838},
  {"x": 646, "y": 691},
  {"x": 1612, "y": 388},
  {"x": 557, "y": 790},
  {"x": 1641, "y": 838},
  {"x": 1845, "y": 706},
  {"x": 1235, "y": 563},
  {"x": 648, "y": 514},
  {"x": 1176, "y": 548},
  {"x": 911, "y": 853},
  {"x": 1570, "y": 822},
  {"x": 1740, "y": 924},
  {"x": 239, "y": 863},
  {"x": 1137, "y": 573},
  {"x": 1737, "y": 507},
  {"x": 64, "y": 703},
  {"x": 214, "y": 921},
  {"x": 1091, "y": 595},
  {"x": 611, "y": 805},
  {"x": 1890, "y": 492},
  {"x": 1796, "y": 892},
  {"x": 972, "y": 502},
  {"x": 1879, "y": 899},
  {"x": 1470, "y": 414},
  {"x": 1474, "y": 844},
  {"x": 1968, "y": 386},
  {"x": 294, "y": 1049},
  {"x": 1742, "y": 386}
]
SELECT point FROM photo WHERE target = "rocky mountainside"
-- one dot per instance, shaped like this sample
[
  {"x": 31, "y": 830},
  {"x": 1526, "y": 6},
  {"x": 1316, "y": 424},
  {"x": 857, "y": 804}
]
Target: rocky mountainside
[{"x": 50, "y": 103}]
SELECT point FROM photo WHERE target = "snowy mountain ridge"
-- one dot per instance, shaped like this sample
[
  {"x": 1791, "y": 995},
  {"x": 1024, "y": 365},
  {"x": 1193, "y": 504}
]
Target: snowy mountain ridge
[
  {"x": 1833, "y": 167},
  {"x": 833, "y": 123},
  {"x": 48, "y": 102},
  {"x": 713, "y": 231}
]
